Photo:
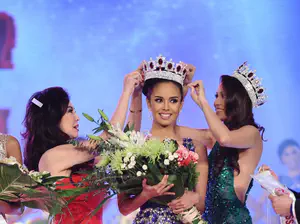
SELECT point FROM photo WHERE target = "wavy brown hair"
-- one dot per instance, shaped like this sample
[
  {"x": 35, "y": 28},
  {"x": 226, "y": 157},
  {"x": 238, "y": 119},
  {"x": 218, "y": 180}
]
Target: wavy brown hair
[
  {"x": 239, "y": 113},
  {"x": 42, "y": 130}
]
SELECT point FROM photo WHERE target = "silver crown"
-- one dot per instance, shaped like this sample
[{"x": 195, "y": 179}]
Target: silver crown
[
  {"x": 163, "y": 69},
  {"x": 252, "y": 84}
]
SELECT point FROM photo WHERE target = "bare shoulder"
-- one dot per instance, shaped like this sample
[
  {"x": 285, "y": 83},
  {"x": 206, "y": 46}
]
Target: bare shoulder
[
  {"x": 12, "y": 142},
  {"x": 13, "y": 148},
  {"x": 251, "y": 130},
  {"x": 60, "y": 150}
]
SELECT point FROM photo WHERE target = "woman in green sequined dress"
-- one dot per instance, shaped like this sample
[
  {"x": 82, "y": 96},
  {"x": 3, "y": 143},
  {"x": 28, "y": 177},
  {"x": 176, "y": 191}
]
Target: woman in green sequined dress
[{"x": 237, "y": 145}]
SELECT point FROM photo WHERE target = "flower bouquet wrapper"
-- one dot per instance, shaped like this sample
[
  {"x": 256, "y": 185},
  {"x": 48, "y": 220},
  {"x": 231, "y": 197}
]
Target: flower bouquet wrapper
[{"x": 273, "y": 186}]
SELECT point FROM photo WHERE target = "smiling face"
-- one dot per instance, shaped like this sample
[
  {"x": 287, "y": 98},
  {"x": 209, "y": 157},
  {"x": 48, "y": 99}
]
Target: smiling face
[
  {"x": 69, "y": 122},
  {"x": 165, "y": 103},
  {"x": 220, "y": 103},
  {"x": 291, "y": 157}
]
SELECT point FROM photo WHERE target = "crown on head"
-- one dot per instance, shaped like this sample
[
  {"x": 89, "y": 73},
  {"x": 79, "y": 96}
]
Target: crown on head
[
  {"x": 252, "y": 84},
  {"x": 163, "y": 69}
]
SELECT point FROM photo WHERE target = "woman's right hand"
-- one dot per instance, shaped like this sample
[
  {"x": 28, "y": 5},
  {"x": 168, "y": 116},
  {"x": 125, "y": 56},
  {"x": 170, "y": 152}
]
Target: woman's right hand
[
  {"x": 162, "y": 188},
  {"x": 267, "y": 168},
  {"x": 131, "y": 81}
]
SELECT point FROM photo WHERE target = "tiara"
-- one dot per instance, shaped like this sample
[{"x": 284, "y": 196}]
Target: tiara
[
  {"x": 163, "y": 69},
  {"x": 252, "y": 84}
]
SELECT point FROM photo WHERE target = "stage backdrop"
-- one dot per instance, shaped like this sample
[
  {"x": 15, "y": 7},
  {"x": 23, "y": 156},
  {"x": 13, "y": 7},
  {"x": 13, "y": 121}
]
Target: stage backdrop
[{"x": 88, "y": 46}]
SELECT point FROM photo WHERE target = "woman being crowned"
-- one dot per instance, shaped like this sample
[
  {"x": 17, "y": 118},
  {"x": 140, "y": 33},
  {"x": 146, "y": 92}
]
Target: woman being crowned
[{"x": 164, "y": 91}]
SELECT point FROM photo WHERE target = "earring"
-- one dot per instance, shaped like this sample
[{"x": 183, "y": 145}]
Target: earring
[
  {"x": 150, "y": 116},
  {"x": 178, "y": 120}
]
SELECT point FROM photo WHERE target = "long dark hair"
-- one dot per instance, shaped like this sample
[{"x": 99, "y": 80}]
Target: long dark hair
[
  {"x": 151, "y": 83},
  {"x": 239, "y": 113},
  {"x": 42, "y": 130}
]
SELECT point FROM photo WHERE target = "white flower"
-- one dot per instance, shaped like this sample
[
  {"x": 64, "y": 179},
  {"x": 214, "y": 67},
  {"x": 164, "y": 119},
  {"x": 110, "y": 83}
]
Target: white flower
[
  {"x": 123, "y": 137},
  {"x": 166, "y": 162},
  {"x": 139, "y": 173},
  {"x": 126, "y": 159},
  {"x": 131, "y": 165},
  {"x": 132, "y": 158},
  {"x": 123, "y": 166},
  {"x": 171, "y": 157},
  {"x": 175, "y": 155},
  {"x": 145, "y": 167}
]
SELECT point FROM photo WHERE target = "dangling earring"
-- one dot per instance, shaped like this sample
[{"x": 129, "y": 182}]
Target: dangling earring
[
  {"x": 150, "y": 116},
  {"x": 178, "y": 120}
]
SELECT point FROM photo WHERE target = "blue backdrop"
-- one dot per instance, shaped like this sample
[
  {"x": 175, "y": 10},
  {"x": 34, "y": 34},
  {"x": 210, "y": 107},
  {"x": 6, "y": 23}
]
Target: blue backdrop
[{"x": 87, "y": 47}]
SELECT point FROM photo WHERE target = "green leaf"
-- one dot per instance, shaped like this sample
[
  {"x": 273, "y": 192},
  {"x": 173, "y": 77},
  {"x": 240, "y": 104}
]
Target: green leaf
[
  {"x": 50, "y": 180},
  {"x": 72, "y": 192},
  {"x": 88, "y": 117},
  {"x": 126, "y": 129},
  {"x": 103, "y": 115},
  {"x": 16, "y": 186},
  {"x": 97, "y": 130},
  {"x": 101, "y": 204},
  {"x": 131, "y": 127},
  {"x": 94, "y": 137}
]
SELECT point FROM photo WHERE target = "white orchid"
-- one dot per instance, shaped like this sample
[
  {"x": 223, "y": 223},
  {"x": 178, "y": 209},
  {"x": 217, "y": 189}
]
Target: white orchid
[
  {"x": 137, "y": 138},
  {"x": 139, "y": 173}
]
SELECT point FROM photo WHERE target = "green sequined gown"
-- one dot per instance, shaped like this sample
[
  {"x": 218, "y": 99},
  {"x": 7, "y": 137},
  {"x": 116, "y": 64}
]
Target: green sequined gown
[{"x": 222, "y": 205}]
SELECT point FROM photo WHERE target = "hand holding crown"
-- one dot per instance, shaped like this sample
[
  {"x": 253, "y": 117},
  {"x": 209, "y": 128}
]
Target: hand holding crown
[
  {"x": 198, "y": 92},
  {"x": 189, "y": 74},
  {"x": 132, "y": 81}
]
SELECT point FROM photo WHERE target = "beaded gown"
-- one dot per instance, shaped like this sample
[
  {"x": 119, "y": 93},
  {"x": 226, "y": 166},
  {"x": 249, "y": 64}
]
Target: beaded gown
[
  {"x": 3, "y": 140},
  {"x": 3, "y": 155},
  {"x": 222, "y": 206},
  {"x": 151, "y": 212}
]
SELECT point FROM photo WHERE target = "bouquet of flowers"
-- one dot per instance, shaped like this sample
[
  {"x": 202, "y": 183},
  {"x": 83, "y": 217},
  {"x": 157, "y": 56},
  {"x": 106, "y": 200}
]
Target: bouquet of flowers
[
  {"x": 28, "y": 188},
  {"x": 128, "y": 157},
  {"x": 273, "y": 186}
]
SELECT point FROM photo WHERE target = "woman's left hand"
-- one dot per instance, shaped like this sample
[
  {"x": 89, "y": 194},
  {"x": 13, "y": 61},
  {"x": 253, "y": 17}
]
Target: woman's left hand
[
  {"x": 186, "y": 201},
  {"x": 198, "y": 92}
]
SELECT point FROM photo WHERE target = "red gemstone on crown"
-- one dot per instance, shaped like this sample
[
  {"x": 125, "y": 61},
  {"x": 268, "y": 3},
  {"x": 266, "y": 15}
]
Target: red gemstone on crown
[
  {"x": 260, "y": 90},
  {"x": 178, "y": 68},
  {"x": 170, "y": 66},
  {"x": 151, "y": 65},
  {"x": 160, "y": 61}
]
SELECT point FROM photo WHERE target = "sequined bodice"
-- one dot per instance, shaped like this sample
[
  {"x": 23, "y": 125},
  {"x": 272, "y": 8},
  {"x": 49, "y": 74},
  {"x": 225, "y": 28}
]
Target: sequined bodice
[
  {"x": 3, "y": 140},
  {"x": 222, "y": 204}
]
